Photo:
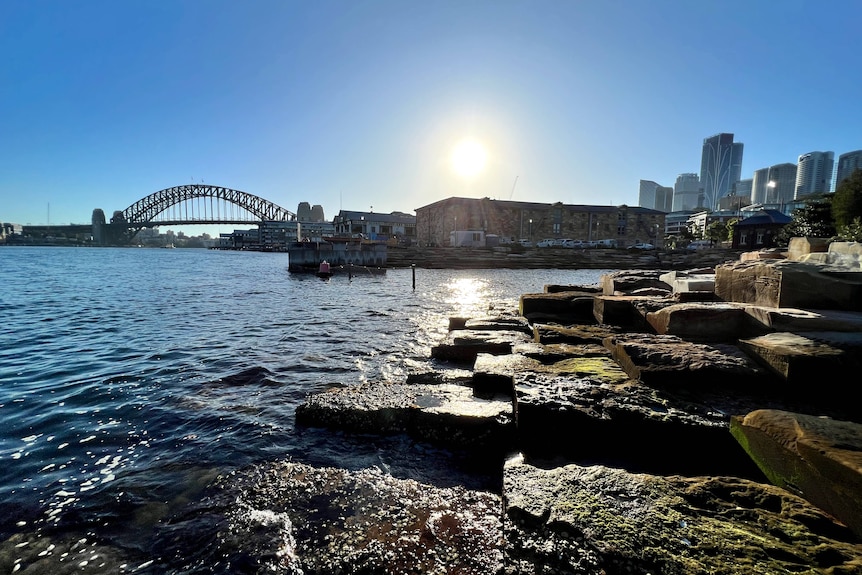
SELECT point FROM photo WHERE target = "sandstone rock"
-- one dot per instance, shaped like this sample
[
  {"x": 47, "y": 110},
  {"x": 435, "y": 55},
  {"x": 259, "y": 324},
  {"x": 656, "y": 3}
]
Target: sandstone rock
[
  {"x": 553, "y": 352},
  {"x": 789, "y": 284},
  {"x": 803, "y": 358},
  {"x": 702, "y": 321},
  {"x": 285, "y": 517},
  {"x": 621, "y": 310},
  {"x": 499, "y": 323},
  {"x": 798, "y": 247},
  {"x": 448, "y": 414},
  {"x": 761, "y": 255},
  {"x": 502, "y": 374},
  {"x": 463, "y": 345},
  {"x": 795, "y": 319},
  {"x": 587, "y": 408},
  {"x": 600, "y": 520},
  {"x": 667, "y": 361},
  {"x": 815, "y": 457},
  {"x": 625, "y": 281},
  {"x": 573, "y": 334},
  {"x": 569, "y": 307},
  {"x": 587, "y": 289}
]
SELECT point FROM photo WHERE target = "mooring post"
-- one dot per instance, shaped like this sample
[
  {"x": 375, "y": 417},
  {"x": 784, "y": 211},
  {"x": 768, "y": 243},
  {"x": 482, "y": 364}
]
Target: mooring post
[
  {"x": 413, "y": 267},
  {"x": 350, "y": 270}
]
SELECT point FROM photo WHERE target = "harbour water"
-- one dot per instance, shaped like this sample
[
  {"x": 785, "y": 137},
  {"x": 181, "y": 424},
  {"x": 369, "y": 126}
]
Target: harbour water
[{"x": 130, "y": 378}]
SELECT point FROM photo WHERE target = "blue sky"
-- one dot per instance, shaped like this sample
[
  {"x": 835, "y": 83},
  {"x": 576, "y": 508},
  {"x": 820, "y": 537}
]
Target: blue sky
[{"x": 359, "y": 104}]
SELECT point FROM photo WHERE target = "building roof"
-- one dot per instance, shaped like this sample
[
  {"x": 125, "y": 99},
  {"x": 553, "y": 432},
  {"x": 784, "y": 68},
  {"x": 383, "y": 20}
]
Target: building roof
[
  {"x": 763, "y": 217},
  {"x": 545, "y": 205},
  {"x": 394, "y": 217}
]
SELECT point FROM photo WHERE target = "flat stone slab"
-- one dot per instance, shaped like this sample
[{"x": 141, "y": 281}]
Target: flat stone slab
[
  {"x": 817, "y": 458},
  {"x": 795, "y": 319},
  {"x": 448, "y": 414},
  {"x": 804, "y": 358},
  {"x": 599, "y": 520},
  {"x": 569, "y": 306},
  {"x": 702, "y": 321},
  {"x": 290, "y": 518},
  {"x": 573, "y": 334},
  {"x": 627, "y": 311},
  {"x": 499, "y": 374},
  {"x": 499, "y": 323},
  {"x": 786, "y": 283},
  {"x": 625, "y": 281},
  {"x": 588, "y": 408},
  {"x": 464, "y": 345},
  {"x": 667, "y": 361}
]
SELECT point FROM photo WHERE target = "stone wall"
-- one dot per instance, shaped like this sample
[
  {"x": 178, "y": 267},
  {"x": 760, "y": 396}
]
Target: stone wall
[{"x": 534, "y": 221}]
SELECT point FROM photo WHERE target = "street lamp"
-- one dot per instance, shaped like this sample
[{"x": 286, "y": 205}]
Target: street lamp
[{"x": 531, "y": 229}]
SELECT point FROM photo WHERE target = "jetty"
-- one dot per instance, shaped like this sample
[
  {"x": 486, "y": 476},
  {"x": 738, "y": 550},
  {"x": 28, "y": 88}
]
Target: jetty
[{"x": 665, "y": 422}]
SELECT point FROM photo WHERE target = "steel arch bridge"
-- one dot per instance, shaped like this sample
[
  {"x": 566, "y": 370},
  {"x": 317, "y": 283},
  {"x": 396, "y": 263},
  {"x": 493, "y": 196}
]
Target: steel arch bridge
[{"x": 197, "y": 204}]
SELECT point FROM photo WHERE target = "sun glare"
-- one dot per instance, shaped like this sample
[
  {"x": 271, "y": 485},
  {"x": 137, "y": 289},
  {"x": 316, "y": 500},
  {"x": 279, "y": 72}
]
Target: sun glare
[{"x": 469, "y": 158}]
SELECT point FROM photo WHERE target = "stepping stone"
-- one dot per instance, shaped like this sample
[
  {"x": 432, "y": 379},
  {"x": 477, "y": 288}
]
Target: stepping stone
[
  {"x": 702, "y": 321},
  {"x": 443, "y": 413},
  {"x": 667, "y": 361},
  {"x": 596, "y": 520},
  {"x": 464, "y": 345},
  {"x": 817, "y": 458}
]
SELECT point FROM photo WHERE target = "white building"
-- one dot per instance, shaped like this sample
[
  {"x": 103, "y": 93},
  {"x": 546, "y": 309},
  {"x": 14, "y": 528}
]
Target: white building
[{"x": 814, "y": 173}]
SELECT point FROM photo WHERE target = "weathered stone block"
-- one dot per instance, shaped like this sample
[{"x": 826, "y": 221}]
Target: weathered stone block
[
  {"x": 462, "y": 346},
  {"x": 573, "y": 334},
  {"x": 597, "y": 520},
  {"x": 795, "y": 319},
  {"x": 789, "y": 284},
  {"x": 803, "y": 358},
  {"x": 817, "y": 458},
  {"x": 667, "y": 361},
  {"x": 702, "y": 321},
  {"x": 625, "y": 281},
  {"x": 571, "y": 307},
  {"x": 620, "y": 310},
  {"x": 448, "y": 414},
  {"x": 798, "y": 247}
]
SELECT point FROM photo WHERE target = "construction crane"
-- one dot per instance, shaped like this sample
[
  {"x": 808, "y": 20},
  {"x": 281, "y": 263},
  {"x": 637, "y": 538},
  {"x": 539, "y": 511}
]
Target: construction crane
[{"x": 513, "y": 187}]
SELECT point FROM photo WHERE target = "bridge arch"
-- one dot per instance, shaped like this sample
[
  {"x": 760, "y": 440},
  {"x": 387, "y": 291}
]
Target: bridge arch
[{"x": 145, "y": 210}]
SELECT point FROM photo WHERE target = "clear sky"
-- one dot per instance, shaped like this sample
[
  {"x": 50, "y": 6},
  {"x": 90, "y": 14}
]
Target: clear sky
[{"x": 354, "y": 104}]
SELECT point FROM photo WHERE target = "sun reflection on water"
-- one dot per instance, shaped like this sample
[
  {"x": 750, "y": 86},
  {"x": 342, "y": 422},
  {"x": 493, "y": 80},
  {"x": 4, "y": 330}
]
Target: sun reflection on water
[{"x": 469, "y": 296}]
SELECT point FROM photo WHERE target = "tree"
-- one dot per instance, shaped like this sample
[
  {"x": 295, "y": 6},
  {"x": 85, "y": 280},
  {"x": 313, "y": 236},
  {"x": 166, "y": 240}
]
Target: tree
[
  {"x": 812, "y": 221},
  {"x": 716, "y": 231},
  {"x": 847, "y": 200}
]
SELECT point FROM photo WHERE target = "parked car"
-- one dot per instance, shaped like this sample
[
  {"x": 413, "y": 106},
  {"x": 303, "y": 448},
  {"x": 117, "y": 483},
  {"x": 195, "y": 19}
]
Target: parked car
[
  {"x": 525, "y": 243},
  {"x": 546, "y": 243},
  {"x": 699, "y": 245},
  {"x": 562, "y": 243},
  {"x": 643, "y": 246}
]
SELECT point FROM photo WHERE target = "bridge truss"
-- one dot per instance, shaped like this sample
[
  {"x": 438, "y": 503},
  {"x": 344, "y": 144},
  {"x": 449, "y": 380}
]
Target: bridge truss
[{"x": 197, "y": 204}]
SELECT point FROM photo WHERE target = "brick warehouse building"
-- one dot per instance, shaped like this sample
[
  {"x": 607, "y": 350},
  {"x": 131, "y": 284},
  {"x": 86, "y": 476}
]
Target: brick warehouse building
[{"x": 534, "y": 221}]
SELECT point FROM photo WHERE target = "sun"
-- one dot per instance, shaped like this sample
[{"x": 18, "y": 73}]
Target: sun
[{"x": 469, "y": 158}]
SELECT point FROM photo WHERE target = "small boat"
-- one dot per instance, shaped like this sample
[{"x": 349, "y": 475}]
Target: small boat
[{"x": 324, "y": 271}]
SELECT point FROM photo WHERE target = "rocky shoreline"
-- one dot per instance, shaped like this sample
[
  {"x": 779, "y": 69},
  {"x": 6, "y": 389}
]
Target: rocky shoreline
[{"x": 666, "y": 422}]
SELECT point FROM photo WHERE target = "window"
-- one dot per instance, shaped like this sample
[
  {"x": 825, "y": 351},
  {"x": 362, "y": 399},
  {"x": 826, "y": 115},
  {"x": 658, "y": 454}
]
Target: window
[{"x": 556, "y": 228}]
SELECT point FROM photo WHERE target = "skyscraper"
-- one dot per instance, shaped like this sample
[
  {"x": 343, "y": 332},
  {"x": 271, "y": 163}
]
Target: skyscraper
[
  {"x": 686, "y": 192},
  {"x": 663, "y": 199},
  {"x": 814, "y": 173},
  {"x": 720, "y": 167},
  {"x": 847, "y": 164},
  {"x": 646, "y": 194}
]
